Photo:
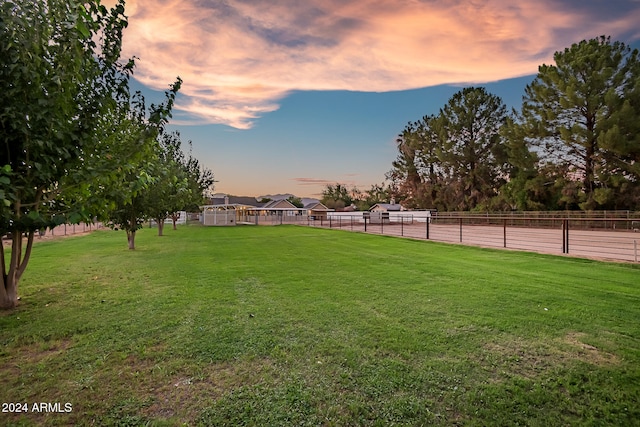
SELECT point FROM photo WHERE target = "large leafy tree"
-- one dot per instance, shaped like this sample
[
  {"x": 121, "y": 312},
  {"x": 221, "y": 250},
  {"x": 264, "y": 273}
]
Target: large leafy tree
[
  {"x": 471, "y": 145},
  {"x": 337, "y": 196},
  {"x": 582, "y": 114},
  {"x": 405, "y": 173},
  {"x": 59, "y": 73},
  {"x": 419, "y": 174},
  {"x": 455, "y": 160},
  {"x": 378, "y": 193},
  {"x": 130, "y": 205},
  {"x": 170, "y": 189},
  {"x": 530, "y": 186},
  {"x": 179, "y": 183},
  {"x": 201, "y": 182}
]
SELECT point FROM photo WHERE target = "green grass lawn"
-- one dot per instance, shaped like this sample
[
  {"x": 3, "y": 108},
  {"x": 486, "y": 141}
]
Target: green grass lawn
[{"x": 298, "y": 326}]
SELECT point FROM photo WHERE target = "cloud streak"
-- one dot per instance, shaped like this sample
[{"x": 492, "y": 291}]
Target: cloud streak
[
  {"x": 239, "y": 58},
  {"x": 312, "y": 181}
]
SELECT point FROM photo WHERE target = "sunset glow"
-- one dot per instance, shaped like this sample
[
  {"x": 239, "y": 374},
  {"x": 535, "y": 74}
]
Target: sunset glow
[{"x": 238, "y": 59}]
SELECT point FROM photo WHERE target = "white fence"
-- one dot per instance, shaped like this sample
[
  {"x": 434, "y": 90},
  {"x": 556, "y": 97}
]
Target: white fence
[{"x": 400, "y": 216}]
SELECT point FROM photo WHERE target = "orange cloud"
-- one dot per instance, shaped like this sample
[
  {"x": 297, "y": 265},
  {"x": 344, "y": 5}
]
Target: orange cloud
[{"x": 238, "y": 59}]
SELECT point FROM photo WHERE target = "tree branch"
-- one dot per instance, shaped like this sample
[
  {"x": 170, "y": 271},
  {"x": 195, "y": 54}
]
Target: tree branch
[{"x": 27, "y": 254}]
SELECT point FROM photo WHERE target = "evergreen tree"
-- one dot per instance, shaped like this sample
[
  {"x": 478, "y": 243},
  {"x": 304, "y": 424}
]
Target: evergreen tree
[
  {"x": 471, "y": 146},
  {"x": 582, "y": 114}
]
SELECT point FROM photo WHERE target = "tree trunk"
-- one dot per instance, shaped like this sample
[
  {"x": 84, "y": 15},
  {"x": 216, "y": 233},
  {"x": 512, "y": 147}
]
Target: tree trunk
[
  {"x": 8, "y": 290},
  {"x": 131, "y": 237},
  {"x": 174, "y": 218},
  {"x": 160, "y": 222},
  {"x": 17, "y": 265}
]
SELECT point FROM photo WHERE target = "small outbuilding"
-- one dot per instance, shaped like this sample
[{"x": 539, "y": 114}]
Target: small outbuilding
[
  {"x": 218, "y": 215},
  {"x": 380, "y": 212},
  {"x": 317, "y": 210},
  {"x": 387, "y": 207}
]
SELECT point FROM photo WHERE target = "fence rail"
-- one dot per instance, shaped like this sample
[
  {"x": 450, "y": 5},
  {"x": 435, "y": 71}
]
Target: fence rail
[
  {"x": 70, "y": 229},
  {"x": 609, "y": 238}
]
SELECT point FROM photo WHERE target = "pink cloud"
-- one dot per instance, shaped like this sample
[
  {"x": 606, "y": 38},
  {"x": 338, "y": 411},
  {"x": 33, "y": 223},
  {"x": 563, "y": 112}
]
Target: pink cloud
[{"x": 238, "y": 59}]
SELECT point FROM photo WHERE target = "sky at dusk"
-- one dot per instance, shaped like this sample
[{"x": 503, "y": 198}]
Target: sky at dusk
[{"x": 288, "y": 96}]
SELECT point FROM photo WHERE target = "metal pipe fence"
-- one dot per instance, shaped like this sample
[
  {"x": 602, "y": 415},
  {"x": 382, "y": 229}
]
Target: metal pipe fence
[{"x": 597, "y": 236}]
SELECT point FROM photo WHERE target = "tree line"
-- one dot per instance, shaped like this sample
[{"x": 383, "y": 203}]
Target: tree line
[
  {"x": 77, "y": 144},
  {"x": 575, "y": 143},
  {"x": 340, "y": 197}
]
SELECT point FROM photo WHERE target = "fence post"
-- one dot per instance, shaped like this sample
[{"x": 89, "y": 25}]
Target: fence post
[
  {"x": 505, "y": 232},
  {"x": 460, "y": 230},
  {"x": 365, "y": 224},
  {"x": 428, "y": 221},
  {"x": 635, "y": 250},
  {"x": 565, "y": 236},
  {"x": 401, "y": 226}
]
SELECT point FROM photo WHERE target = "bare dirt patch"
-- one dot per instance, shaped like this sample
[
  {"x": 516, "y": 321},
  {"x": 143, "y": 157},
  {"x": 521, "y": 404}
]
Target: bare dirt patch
[
  {"x": 531, "y": 358},
  {"x": 60, "y": 233},
  {"x": 38, "y": 352},
  {"x": 589, "y": 353},
  {"x": 183, "y": 394},
  {"x": 16, "y": 360}
]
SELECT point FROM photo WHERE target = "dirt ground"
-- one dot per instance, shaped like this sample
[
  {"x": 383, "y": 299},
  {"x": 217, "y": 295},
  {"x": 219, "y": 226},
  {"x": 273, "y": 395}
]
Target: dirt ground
[
  {"x": 607, "y": 245},
  {"x": 59, "y": 233}
]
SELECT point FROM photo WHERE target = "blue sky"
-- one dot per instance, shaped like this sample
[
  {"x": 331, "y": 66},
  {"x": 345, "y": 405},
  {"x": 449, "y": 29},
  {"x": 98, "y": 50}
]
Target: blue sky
[{"x": 286, "y": 97}]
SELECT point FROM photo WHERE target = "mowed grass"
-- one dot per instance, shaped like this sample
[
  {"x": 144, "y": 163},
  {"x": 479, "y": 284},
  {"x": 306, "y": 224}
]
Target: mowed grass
[{"x": 298, "y": 326}]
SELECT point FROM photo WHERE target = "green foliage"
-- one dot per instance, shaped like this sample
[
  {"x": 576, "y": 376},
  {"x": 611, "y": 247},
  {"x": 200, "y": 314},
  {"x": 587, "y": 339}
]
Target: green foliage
[
  {"x": 471, "y": 146},
  {"x": 295, "y": 201},
  {"x": 57, "y": 82},
  {"x": 378, "y": 193},
  {"x": 59, "y": 75},
  {"x": 152, "y": 165},
  {"x": 582, "y": 114},
  {"x": 575, "y": 144},
  {"x": 180, "y": 182},
  {"x": 336, "y": 196},
  {"x": 417, "y": 174},
  {"x": 455, "y": 160}
]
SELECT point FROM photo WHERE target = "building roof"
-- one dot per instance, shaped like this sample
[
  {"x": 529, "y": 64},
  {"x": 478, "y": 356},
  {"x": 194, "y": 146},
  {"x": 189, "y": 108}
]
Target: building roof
[
  {"x": 278, "y": 204},
  {"x": 389, "y": 207},
  {"x": 316, "y": 206},
  {"x": 235, "y": 200}
]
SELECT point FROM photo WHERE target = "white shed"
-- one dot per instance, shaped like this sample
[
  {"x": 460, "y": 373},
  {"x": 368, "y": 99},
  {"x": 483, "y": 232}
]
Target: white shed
[{"x": 218, "y": 215}]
